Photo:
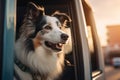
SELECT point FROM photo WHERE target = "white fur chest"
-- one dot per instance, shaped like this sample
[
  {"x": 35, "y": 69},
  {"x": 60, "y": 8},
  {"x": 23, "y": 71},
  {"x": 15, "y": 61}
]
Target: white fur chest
[
  {"x": 41, "y": 60},
  {"x": 45, "y": 62}
]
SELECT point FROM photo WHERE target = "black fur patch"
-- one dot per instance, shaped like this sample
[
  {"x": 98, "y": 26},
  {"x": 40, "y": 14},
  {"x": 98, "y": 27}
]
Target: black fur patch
[
  {"x": 40, "y": 23},
  {"x": 29, "y": 45},
  {"x": 38, "y": 27}
]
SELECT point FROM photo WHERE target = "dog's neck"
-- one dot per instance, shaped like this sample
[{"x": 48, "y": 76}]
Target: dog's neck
[
  {"x": 22, "y": 66},
  {"x": 35, "y": 75}
]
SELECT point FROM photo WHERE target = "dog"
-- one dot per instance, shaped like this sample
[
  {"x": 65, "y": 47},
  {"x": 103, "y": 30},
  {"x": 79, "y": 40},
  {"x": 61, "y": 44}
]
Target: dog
[{"x": 40, "y": 45}]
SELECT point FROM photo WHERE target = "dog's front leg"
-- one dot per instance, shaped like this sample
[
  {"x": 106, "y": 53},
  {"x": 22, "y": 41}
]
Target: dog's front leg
[{"x": 21, "y": 75}]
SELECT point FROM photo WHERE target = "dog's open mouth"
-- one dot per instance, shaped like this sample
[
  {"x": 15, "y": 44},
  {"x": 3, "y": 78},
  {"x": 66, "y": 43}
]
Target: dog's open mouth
[{"x": 54, "y": 46}]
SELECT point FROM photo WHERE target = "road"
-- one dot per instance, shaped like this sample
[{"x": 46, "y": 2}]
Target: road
[{"x": 112, "y": 73}]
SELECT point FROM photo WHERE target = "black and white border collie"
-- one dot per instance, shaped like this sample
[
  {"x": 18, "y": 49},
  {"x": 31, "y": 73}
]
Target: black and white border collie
[{"x": 40, "y": 45}]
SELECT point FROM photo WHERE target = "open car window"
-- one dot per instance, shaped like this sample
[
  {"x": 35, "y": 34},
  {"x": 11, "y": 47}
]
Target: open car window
[{"x": 50, "y": 7}]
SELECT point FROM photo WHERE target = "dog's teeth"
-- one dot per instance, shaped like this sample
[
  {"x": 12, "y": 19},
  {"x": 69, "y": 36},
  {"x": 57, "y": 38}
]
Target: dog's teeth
[{"x": 60, "y": 44}]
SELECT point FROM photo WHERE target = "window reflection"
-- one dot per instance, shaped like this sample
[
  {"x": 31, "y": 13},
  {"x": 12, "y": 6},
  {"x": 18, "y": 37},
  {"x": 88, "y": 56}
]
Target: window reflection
[
  {"x": 90, "y": 39},
  {"x": 92, "y": 49}
]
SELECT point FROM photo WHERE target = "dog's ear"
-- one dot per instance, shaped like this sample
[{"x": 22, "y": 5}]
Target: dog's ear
[
  {"x": 63, "y": 17},
  {"x": 33, "y": 11}
]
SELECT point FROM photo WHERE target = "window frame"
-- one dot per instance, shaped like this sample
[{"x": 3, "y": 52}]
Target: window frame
[
  {"x": 2, "y": 4},
  {"x": 8, "y": 39},
  {"x": 82, "y": 54},
  {"x": 99, "y": 73},
  {"x": 88, "y": 74}
]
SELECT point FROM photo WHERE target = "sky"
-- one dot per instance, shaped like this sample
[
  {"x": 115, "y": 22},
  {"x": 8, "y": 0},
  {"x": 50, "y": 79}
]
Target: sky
[{"x": 106, "y": 12}]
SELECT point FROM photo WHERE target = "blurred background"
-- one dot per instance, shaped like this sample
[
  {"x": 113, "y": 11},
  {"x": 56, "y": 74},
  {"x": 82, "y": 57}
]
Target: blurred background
[{"x": 107, "y": 17}]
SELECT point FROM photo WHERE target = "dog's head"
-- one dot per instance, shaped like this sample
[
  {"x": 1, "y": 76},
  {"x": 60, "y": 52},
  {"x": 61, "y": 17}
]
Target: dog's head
[{"x": 48, "y": 29}]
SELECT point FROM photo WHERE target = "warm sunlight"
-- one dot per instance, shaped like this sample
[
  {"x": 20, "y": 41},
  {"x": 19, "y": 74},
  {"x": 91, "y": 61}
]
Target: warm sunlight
[{"x": 106, "y": 12}]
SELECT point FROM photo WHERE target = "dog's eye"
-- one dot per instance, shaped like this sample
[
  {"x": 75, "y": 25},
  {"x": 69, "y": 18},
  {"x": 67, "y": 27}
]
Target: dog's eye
[{"x": 48, "y": 27}]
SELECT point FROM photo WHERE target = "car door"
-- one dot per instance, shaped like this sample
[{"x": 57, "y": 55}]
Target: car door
[{"x": 7, "y": 38}]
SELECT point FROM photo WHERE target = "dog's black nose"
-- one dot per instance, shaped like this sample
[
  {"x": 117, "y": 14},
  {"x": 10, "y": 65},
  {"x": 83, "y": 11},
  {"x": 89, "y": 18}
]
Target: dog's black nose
[{"x": 64, "y": 36}]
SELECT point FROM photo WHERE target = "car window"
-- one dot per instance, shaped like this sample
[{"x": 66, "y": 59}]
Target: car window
[
  {"x": 50, "y": 7},
  {"x": 93, "y": 43}
]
